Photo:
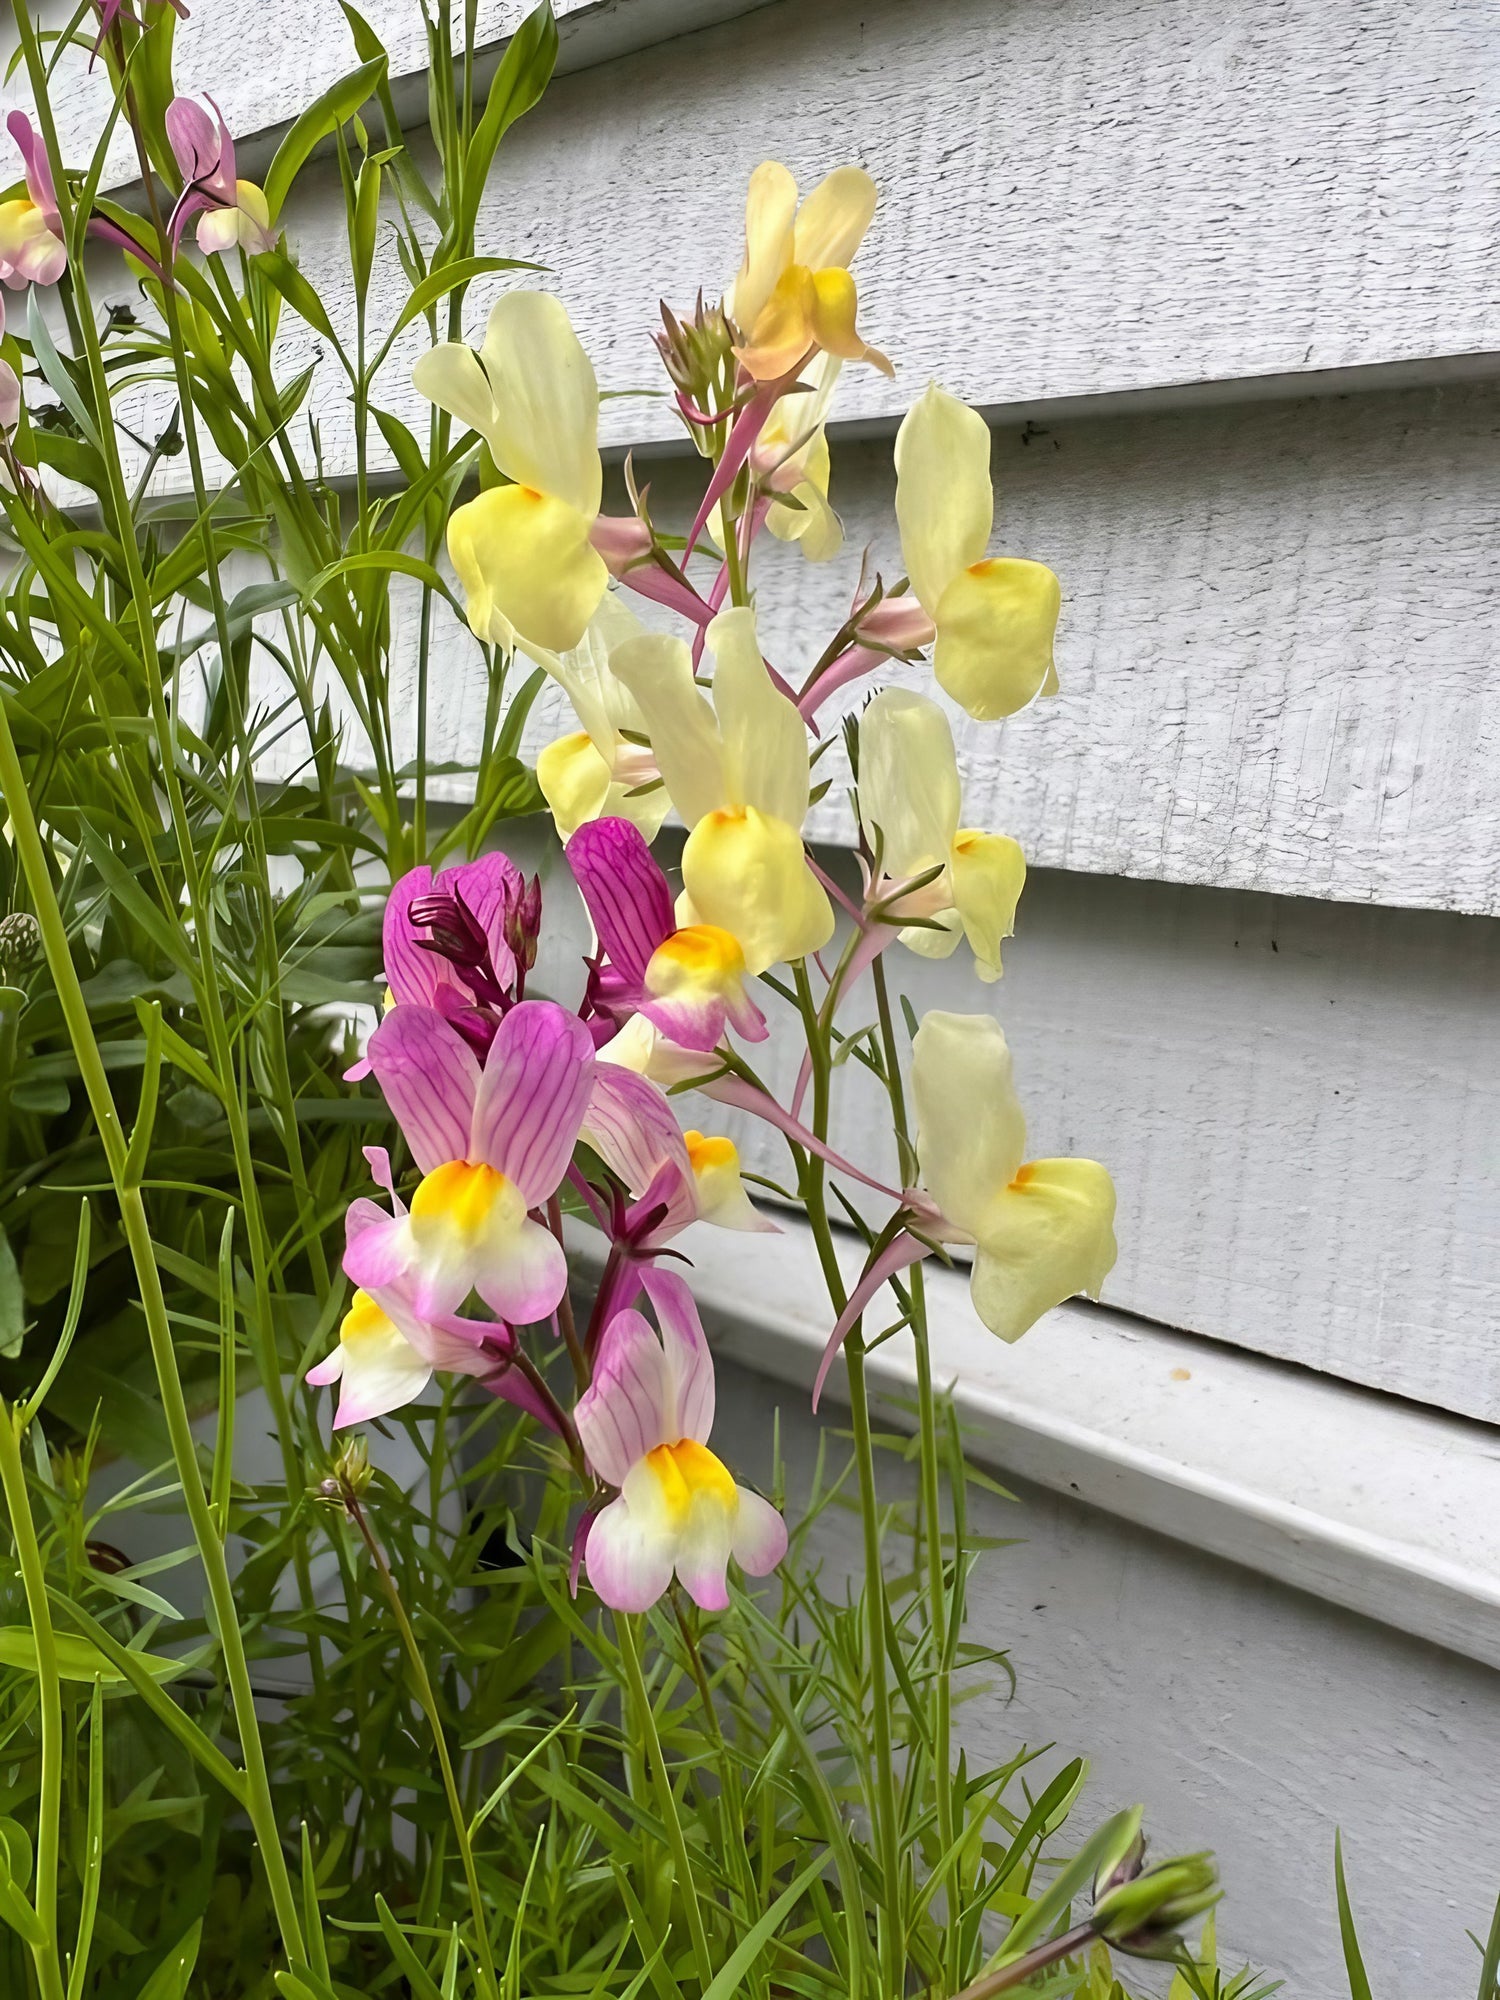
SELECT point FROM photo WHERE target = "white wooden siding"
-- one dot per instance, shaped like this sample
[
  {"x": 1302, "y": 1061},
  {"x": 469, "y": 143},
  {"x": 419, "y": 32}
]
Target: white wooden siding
[{"x": 1080, "y": 197}]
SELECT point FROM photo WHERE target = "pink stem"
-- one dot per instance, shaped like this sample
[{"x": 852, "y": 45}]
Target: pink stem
[
  {"x": 904, "y": 1250},
  {"x": 745, "y": 1096},
  {"x": 849, "y": 666},
  {"x": 747, "y": 427},
  {"x": 646, "y": 580}
]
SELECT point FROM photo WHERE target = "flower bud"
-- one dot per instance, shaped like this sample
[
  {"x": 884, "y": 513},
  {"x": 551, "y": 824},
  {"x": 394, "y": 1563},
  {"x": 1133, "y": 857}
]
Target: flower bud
[
  {"x": 896, "y": 625},
  {"x": 20, "y": 941},
  {"x": 1140, "y": 1910}
]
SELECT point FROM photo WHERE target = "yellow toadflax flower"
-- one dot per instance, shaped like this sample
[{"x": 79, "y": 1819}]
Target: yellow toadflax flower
[
  {"x": 1042, "y": 1229},
  {"x": 737, "y": 773},
  {"x": 794, "y": 294},
  {"x": 522, "y": 552},
  {"x": 909, "y": 804},
  {"x": 994, "y": 616},
  {"x": 604, "y": 770}
]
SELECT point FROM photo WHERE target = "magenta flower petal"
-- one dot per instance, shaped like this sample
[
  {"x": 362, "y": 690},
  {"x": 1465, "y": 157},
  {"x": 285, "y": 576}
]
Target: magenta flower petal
[
  {"x": 686, "y": 1350},
  {"x": 490, "y": 887},
  {"x": 632, "y": 1128},
  {"x": 532, "y": 1097},
  {"x": 193, "y": 137},
  {"x": 430, "y": 1078},
  {"x": 38, "y": 170},
  {"x": 412, "y": 974},
  {"x": 630, "y": 1406},
  {"x": 626, "y": 893},
  {"x": 377, "y": 1249}
]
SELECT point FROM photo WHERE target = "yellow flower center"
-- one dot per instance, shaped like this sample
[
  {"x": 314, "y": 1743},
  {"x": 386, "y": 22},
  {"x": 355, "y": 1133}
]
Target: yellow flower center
[
  {"x": 463, "y": 1196},
  {"x": 704, "y": 953},
  {"x": 706, "y": 1152},
  {"x": 687, "y": 1471},
  {"x": 365, "y": 1325}
]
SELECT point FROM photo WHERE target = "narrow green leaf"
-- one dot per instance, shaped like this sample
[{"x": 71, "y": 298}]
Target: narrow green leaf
[
  {"x": 1354, "y": 1964},
  {"x": 170, "y": 1979},
  {"x": 77, "y": 1659},
  {"x": 524, "y": 73},
  {"x": 324, "y": 115},
  {"x": 12, "y": 1300},
  {"x": 728, "y": 1979}
]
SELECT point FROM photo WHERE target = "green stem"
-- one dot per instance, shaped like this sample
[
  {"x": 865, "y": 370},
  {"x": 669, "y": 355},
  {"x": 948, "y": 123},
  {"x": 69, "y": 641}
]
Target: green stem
[
  {"x": 815, "y": 1200},
  {"x": 1028, "y": 1965},
  {"x": 439, "y": 1736},
  {"x": 932, "y": 1519},
  {"x": 682, "y": 1864},
  {"x": 49, "y": 1684},
  {"x": 28, "y": 841}
]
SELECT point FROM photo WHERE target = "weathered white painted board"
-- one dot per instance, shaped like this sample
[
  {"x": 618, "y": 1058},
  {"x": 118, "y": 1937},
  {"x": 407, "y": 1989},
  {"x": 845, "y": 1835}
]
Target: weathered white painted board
[
  {"x": 1080, "y": 196},
  {"x": 1277, "y": 651},
  {"x": 1300, "y": 1106},
  {"x": 1246, "y": 1717},
  {"x": 1364, "y": 1500},
  {"x": 264, "y": 65}
]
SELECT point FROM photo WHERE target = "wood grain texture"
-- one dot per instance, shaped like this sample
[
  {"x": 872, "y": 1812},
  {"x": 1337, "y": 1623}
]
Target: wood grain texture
[
  {"x": 1080, "y": 197},
  {"x": 266, "y": 64},
  {"x": 1300, "y": 1105},
  {"x": 1229, "y": 1704}
]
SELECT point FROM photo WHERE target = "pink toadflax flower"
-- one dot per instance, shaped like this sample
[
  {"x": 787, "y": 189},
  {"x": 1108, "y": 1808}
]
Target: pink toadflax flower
[
  {"x": 645, "y": 1423},
  {"x": 674, "y": 1177},
  {"x": 388, "y": 1350},
  {"x": 492, "y": 1143},
  {"x": 229, "y": 211},
  {"x": 688, "y": 982},
  {"x": 32, "y": 251}
]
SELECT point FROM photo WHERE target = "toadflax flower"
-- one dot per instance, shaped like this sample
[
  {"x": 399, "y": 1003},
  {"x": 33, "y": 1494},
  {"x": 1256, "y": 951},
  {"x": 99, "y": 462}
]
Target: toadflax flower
[
  {"x": 388, "y": 1351},
  {"x": 604, "y": 770},
  {"x": 523, "y": 551},
  {"x": 32, "y": 251},
  {"x": 738, "y": 773},
  {"x": 492, "y": 1143},
  {"x": 1042, "y": 1229},
  {"x": 794, "y": 297},
  {"x": 993, "y": 617},
  {"x": 645, "y": 1422},
  {"x": 230, "y": 212},
  {"x": 675, "y": 1178},
  {"x": 909, "y": 805},
  {"x": 689, "y": 980}
]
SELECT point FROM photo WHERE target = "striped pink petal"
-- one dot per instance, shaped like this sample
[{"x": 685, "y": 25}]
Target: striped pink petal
[
  {"x": 531, "y": 1097},
  {"x": 626, "y": 893},
  {"x": 630, "y": 1407},
  {"x": 632, "y": 1127},
  {"x": 686, "y": 1350},
  {"x": 490, "y": 887},
  {"x": 431, "y": 1080}
]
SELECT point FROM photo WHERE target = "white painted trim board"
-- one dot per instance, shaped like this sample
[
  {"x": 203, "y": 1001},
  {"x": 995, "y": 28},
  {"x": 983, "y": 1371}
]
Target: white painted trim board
[{"x": 1364, "y": 1500}]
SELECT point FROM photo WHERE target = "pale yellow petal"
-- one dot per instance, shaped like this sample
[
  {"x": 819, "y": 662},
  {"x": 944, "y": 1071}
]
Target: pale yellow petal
[
  {"x": 764, "y": 738},
  {"x": 545, "y": 431},
  {"x": 945, "y": 504},
  {"x": 831, "y": 223},
  {"x": 658, "y": 671},
  {"x": 575, "y": 781},
  {"x": 929, "y": 942},
  {"x": 451, "y": 376},
  {"x": 782, "y": 333},
  {"x": 971, "y": 1131},
  {"x": 989, "y": 873},
  {"x": 602, "y": 703},
  {"x": 834, "y": 304},
  {"x": 747, "y": 873},
  {"x": 1050, "y": 1236},
  {"x": 526, "y": 555},
  {"x": 909, "y": 795},
  {"x": 811, "y": 524},
  {"x": 995, "y": 626},
  {"x": 770, "y": 204}
]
